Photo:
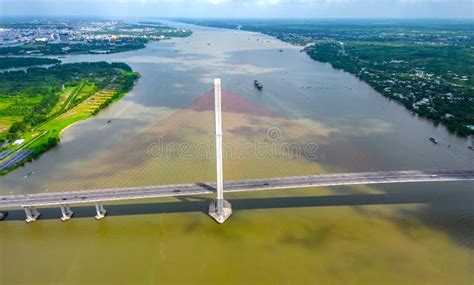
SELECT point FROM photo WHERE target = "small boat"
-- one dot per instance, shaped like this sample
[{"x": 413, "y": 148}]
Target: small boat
[
  {"x": 258, "y": 84},
  {"x": 433, "y": 140},
  {"x": 109, "y": 121},
  {"x": 29, "y": 174}
]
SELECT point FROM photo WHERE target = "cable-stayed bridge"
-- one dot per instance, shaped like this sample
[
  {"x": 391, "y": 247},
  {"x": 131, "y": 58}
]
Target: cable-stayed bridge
[
  {"x": 219, "y": 209},
  {"x": 65, "y": 199}
]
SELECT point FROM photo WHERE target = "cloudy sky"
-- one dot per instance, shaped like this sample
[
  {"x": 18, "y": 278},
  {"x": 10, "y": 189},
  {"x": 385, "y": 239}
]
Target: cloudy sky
[{"x": 242, "y": 8}]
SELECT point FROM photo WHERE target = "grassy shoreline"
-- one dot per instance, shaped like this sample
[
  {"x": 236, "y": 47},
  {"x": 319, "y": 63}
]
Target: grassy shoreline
[{"x": 88, "y": 100}]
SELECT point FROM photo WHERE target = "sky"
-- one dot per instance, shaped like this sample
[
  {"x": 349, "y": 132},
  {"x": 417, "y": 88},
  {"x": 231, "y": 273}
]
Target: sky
[{"x": 242, "y": 8}]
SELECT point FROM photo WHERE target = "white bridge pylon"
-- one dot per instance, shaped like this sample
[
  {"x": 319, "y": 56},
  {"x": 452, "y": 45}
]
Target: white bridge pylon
[{"x": 219, "y": 209}]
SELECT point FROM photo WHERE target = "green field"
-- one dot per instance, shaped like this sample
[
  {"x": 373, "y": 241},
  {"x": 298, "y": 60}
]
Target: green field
[{"x": 38, "y": 104}]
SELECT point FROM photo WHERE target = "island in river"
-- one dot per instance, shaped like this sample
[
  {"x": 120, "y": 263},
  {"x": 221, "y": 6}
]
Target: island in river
[{"x": 36, "y": 105}]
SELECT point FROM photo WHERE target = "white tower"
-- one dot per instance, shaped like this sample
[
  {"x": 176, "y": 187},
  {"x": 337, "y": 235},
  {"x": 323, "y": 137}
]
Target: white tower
[{"x": 219, "y": 209}]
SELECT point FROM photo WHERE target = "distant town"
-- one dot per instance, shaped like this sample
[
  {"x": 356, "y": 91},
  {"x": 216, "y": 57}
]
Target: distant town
[{"x": 55, "y": 37}]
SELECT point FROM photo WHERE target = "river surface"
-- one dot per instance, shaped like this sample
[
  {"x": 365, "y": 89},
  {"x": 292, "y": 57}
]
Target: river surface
[{"x": 420, "y": 233}]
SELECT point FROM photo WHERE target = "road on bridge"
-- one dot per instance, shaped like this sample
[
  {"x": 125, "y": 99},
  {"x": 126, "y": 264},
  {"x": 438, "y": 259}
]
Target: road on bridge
[{"x": 122, "y": 194}]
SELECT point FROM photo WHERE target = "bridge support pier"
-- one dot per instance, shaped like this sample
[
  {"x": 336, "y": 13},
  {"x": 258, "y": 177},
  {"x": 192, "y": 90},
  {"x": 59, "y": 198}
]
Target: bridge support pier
[
  {"x": 101, "y": 212},
  {"x": 66, "y": 212},
  {"x": 220, "y": 210},
  {"x": 31, "y": 214},
  {"x": 3, "y": 215}
]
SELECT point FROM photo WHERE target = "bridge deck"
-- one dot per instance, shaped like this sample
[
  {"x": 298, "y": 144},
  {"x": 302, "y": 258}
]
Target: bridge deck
[{"x": 120, "y": 194}]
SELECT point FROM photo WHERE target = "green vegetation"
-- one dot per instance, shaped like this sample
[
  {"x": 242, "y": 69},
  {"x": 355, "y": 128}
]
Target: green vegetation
[
  {"x": 427, "y": 80},
  {"x": 38, "y": 104},
  {"x": 426, "y": 66},
  {"x": 95, "y": 46},
  {"x": 9, "y": 62}
]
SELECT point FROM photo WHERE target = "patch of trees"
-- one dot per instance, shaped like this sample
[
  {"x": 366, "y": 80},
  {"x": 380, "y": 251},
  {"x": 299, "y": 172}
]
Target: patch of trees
[
  {"x": 49, "y": 144},
  {"x": 10, "y": 62},
  {"x": 120, "y": 45}
]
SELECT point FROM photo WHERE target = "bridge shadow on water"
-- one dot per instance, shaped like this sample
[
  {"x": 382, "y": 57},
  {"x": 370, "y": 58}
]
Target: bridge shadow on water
[
  {"x": 194, "y": 204},
  {"x": 449, "y": 211}
]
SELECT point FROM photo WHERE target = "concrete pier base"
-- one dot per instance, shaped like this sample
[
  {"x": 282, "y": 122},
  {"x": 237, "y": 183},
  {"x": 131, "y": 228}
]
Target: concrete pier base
[
  {"x": 3, "y": 215},
  {"x": 222, "y": 215},
  {"x": 31, "y": 214},
  {"x": 66, "y": 212},
  {"x": 101, "y": 212}
]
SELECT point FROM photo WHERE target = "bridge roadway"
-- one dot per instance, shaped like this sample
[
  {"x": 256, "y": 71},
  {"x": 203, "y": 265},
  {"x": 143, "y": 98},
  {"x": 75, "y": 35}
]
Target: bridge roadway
[{"x": 121, "y": 194}]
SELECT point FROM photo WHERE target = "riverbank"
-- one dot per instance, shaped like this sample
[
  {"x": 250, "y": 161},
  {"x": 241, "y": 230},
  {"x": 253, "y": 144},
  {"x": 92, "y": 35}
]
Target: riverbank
[
  {"x": 18, "y": 62},
  {"x": 394, "y": 70},
  {"x": 415, "y": 63}
]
